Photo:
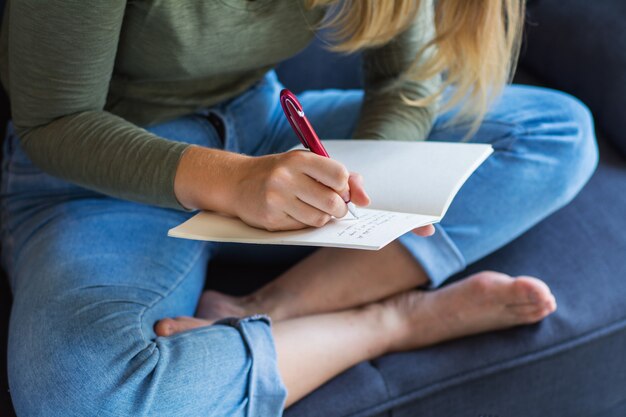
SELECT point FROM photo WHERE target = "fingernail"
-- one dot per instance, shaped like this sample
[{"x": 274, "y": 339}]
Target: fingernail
[{"x": 346, "y": 196}]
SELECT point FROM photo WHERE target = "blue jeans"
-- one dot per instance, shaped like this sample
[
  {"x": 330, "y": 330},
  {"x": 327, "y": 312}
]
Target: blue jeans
[{"x": 91, "y": 274}]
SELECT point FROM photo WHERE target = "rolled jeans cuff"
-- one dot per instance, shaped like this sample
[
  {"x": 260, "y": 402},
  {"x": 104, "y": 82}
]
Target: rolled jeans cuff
[
  {"x": 436, "y": 254},
  {"x": 266, "y": 391}
]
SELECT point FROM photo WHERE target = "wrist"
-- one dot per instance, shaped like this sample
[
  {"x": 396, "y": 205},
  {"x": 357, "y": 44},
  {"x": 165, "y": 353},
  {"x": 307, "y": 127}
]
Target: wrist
[{"x": 206, "y": 179}]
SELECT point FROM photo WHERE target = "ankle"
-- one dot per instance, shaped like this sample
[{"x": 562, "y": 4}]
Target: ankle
[
  {"x": 387, "y": 324},
  {"x": 252, "y": 304},
  {"x": 259, "y": 303},
  {"x": 403, "y": 326}
]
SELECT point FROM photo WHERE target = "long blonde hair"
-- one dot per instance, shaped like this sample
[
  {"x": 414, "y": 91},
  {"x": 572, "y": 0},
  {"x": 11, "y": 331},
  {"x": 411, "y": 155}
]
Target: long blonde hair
[{"x": 475, "y": 46}]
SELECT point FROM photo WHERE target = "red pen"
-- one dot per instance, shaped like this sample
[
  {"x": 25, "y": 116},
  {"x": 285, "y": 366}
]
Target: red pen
[{"x": 303, "y": 129}]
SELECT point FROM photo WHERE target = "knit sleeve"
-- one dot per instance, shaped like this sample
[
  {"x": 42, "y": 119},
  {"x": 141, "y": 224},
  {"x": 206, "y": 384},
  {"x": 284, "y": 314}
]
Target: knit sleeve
[
  {"x": 61, "y": 55},
  {"x": 384, "y": 114}
]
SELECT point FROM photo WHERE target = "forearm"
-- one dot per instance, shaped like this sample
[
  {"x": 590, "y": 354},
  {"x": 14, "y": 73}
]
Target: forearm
[
  {"x": 390, "y": 77},
  {"x": 385, "y": 115},
  {"x": 207, "y": 179},
  {"x": 105, "y": 153}
]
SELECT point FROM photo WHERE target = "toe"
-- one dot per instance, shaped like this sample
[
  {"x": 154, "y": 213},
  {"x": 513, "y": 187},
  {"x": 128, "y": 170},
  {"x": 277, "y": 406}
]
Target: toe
[
  {"x": 542, "y": 312},
  {"x": 214, "y": 305},
  {"x": 550, "y": 305},
  {"x": 169, "y": 327},
  {"x": 531, "y": 290},
  {"x": 164, "y": 327},
  {"x": 490, "y": 284},
  {"x": 531, "y": 312}
]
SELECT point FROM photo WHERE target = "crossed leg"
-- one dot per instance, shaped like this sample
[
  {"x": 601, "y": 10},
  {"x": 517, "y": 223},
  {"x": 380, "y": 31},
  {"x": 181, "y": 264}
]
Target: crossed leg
[
  {"x": 542, "y": 159},
  {"x": 321, "y": 344},
  {"x": 104, "y": 273}
]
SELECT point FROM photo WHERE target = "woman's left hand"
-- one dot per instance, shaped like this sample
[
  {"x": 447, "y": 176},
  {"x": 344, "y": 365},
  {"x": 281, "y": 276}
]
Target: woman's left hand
[
  {"x": 425, "y": 231},
  {"x": 357, "y": 192}
]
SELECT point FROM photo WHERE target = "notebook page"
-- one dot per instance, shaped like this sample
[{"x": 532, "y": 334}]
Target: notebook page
[
  {"x": 410, "y": 177},
  {"x": 372, "y": 230}
]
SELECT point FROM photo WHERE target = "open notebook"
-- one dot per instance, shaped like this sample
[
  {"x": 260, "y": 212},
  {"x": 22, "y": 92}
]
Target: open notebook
[{"x": 411, "y": 184}]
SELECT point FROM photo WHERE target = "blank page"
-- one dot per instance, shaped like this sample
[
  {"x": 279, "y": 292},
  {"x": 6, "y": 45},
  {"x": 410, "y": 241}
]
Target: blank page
[{"x": 410, "y": 177}]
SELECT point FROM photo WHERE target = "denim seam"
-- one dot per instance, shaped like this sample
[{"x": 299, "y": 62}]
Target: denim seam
[
  {"x": 232, "y": 129},
  {"x": 239, "y": 326},
  {"x": 170, "y": 290},
  {"x": 232, "y": 106},
  {"x": 502, "y": 366},
  {"x": 231, "y": 110},
  {"x": 238, "y": 131},
  {"x": 451, "y": 252},
  {"x": 239, "y": 101},
  {"x": 231, "y": 122},
  {"x": 262, "y": 388},
  {"x": 516, "y": 129},
  {"x": 206, "y": 125}
]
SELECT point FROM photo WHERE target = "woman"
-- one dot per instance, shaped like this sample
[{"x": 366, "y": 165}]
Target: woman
[{"x": 89, "y": 195}]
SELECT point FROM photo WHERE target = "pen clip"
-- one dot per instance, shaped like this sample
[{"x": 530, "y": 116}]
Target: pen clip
[
  {"x": 299, "y": 112},
  {"x": 290, "y": 105},
  {"x": 295, "y": 115}
]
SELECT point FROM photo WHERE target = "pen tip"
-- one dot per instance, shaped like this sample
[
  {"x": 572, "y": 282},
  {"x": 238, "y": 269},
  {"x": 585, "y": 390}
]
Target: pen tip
[{"x": 352, "y": 210}]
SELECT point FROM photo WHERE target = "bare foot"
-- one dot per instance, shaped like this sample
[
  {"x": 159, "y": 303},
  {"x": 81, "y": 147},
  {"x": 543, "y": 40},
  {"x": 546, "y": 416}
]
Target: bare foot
[
  {"x": 214, "y": 305},
  {"x": 483, "y": 302}
]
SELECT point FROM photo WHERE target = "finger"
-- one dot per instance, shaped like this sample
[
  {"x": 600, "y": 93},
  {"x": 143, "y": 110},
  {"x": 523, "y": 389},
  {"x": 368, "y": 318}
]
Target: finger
[
  {"x": 287, "y": 223},
  {"x": 306, "y": 214},
  {"x": 425, "y": 231},
  {"x": 280, "y": 222},
  {"x": 357, "y": 192},
  {"x": 327, "y": 171},
  {"x": 321, "y": 197}
]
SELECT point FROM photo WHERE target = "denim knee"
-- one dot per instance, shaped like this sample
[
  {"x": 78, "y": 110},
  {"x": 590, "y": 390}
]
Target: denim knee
[
  {"x": 561, "y": 133},
  {"x": 580, "y": 158},
  {"x": 96, "y": 362}
]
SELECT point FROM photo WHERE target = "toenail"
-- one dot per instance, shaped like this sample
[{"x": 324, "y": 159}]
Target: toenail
[{"x": 532, "y": 295}]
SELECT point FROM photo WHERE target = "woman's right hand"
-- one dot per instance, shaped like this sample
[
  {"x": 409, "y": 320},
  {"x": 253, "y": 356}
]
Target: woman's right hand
[
  {"x": 295, "y": 189},
  {"x": 285, "y": 191}
]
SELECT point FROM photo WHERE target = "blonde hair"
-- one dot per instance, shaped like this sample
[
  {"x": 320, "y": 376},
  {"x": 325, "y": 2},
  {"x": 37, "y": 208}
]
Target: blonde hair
[{"x": 475, "y": 46}]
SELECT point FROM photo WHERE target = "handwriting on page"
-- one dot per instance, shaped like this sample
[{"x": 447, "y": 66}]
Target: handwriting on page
[{"x": 366, "y": 224}]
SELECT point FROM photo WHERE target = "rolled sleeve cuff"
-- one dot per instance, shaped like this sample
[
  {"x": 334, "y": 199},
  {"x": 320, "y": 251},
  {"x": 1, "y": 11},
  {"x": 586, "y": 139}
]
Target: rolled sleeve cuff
[
  {"x": 437, "y": 255},
  {"x": 266, "y": 391}
]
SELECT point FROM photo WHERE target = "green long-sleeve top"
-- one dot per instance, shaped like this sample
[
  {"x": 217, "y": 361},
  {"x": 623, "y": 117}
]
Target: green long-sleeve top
[{"x": 83, "y": 76}]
